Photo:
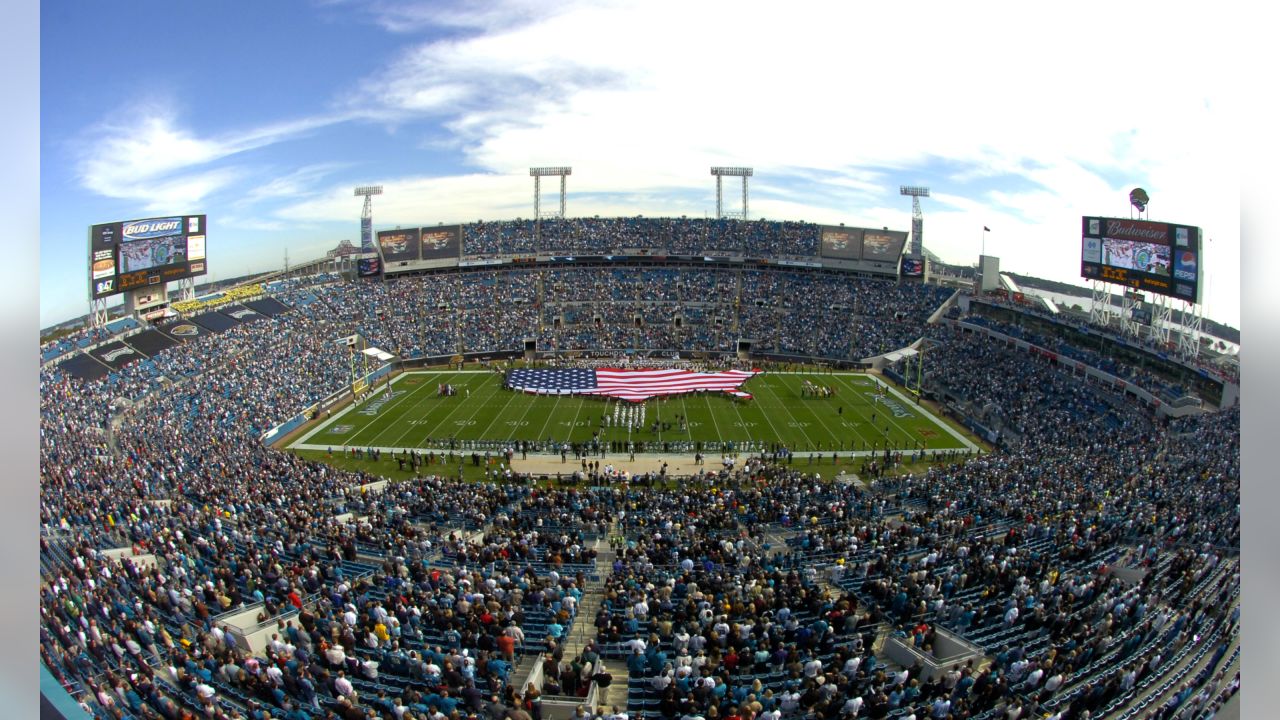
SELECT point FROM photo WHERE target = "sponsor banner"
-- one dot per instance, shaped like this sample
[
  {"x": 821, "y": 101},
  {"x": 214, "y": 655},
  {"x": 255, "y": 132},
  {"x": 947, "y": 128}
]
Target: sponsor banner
[
  {"x": 104, "y": 264},
  {"x": 195, "y": 247},
  {"x": 477, "y": 263},
  {"x": 840, "y": 242},
  {"x": 102, "y": 288},
  {"x": 154, "y": 228},
  {"x": 797, "y": 263},
  {"x": 1137, "y": 230},
  {"x": 366, "y": 235},
  {"x": 1184, "y": 265},
  {"x": 1092, "y": 250},
  {"x": 116, "y": 355}
]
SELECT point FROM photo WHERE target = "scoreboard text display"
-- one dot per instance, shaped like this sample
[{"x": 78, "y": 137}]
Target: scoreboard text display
[
  {"x": 1162, "y": 258},
  {"x": 125, "y": 256}
]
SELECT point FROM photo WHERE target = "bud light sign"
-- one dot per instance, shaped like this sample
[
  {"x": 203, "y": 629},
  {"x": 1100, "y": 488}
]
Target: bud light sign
[{"x": 143, "y": 229}]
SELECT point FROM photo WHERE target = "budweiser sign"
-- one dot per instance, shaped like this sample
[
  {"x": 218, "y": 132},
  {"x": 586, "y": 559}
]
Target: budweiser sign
[{"x": 1138, "y": 230}]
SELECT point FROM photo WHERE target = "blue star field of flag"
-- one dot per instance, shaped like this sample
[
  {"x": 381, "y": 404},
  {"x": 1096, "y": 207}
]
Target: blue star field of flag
[{"x": 553, "y": 381}]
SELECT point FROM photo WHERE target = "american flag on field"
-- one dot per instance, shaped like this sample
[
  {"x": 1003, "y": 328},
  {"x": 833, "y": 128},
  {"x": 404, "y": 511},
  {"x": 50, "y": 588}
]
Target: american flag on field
[{"x": 634, "y": 385}]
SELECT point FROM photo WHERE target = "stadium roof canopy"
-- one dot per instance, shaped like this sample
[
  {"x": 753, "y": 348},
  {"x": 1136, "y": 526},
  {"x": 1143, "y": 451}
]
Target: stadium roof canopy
[{"x": 897, "y": 355}]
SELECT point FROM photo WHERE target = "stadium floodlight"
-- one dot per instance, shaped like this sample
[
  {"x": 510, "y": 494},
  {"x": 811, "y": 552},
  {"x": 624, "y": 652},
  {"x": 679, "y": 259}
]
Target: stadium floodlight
[
  {"x": 722, "y": 172},
  {"x": 917, "y": 217},
  {"x": 367, "y": 190},
  {"x": 544, "y": 171},
  {"x": 538, "y": 173}
]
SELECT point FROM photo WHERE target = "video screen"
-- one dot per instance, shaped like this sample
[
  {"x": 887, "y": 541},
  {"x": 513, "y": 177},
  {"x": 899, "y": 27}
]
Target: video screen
[
  {"x": 147, "y": 253},
  {"x": 840, "y": 242},
  {"x": 439, "y": 243},
  {"x": 882, "y": 245},
  {"x": 399, "y": 245},
  {"x": 1132, "y": 255}
]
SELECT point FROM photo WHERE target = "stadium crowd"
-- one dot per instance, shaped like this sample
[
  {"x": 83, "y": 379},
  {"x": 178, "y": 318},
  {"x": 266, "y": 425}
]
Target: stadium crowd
[
  {"x": 677, "y": 236},
  {"x": 757, "y": 591}
]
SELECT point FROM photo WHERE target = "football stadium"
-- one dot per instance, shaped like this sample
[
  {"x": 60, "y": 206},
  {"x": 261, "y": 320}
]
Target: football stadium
[{"x": 636, "y": 468}]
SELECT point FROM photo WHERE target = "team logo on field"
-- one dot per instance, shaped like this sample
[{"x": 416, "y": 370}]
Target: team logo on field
[{"x": 341, "y": 429}]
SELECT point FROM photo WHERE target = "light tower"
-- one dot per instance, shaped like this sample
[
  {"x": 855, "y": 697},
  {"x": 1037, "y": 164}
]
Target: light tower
[
  {"x": 917, "y": 218},
  {"x": 720, "y": 172},
  {"x": 538, "y": 173},
  {"x": 366, "y": 217}
]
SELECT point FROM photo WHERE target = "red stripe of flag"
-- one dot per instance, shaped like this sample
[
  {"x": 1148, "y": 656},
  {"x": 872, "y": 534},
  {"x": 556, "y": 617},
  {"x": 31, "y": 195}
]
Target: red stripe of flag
[{"x": 638, "y": 385}]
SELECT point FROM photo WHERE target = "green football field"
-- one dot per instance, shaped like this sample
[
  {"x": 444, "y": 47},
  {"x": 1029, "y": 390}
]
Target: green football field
[{"x": 484, "y": 415}]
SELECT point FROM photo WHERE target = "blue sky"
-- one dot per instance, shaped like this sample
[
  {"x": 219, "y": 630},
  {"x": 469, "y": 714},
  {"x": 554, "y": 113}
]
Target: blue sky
[{"x": 265, "y": 115}]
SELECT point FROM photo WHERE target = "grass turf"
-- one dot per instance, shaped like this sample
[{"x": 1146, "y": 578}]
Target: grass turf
[{"x": 484, "y": 414}]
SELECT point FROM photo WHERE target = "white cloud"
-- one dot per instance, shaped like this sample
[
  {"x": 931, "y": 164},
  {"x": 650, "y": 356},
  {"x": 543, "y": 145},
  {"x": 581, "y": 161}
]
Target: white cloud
[
  {"x": 1018, "y": 117},
  {"x": 293, "y": 184},
  {"x": 153, "y": 160},
  {"x": 1038, "y": 116}
]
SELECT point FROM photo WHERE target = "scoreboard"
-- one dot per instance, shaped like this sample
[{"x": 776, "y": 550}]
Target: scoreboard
[
  {"x": 134, "y": 254},
  {"x": 1163, "y": 258}
]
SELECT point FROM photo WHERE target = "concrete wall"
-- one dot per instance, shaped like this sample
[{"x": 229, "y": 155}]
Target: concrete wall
[
  {"x": 141, "y": 561},
  {"x": 948, "y": 650}
]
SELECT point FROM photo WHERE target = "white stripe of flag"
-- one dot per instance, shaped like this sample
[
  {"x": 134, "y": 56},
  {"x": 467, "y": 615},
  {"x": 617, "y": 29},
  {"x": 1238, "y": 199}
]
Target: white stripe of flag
[{"x": 636, "y": 385}]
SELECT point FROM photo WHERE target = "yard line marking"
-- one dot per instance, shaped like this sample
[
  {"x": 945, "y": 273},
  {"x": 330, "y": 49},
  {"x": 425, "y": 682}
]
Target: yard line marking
[
  {"x": 342, "y": 413},
  {"x": 497, "y": 415},
  {"x": 834, "y": 436},
  {"x": 777, "y": 435},
  {"x": 386, "y": 414},
  {"x": 479, "y": 403},
  {"x": 554, "y": 407},
  {"x": 719, "y": 435}
]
